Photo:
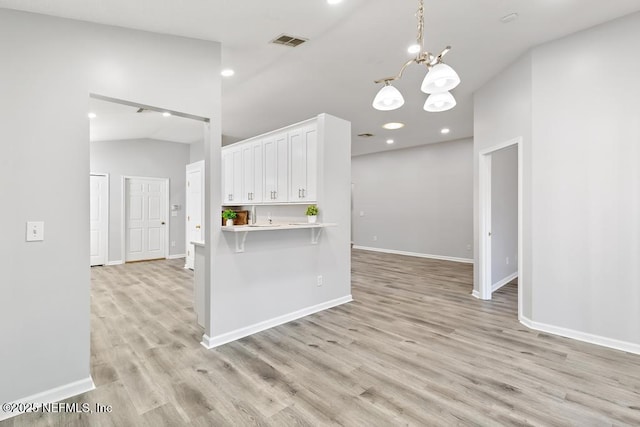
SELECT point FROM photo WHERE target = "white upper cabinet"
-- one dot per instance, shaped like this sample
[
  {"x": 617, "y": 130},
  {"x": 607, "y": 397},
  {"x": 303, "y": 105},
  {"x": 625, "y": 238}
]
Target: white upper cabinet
[
  {"x": 303, "y": 165},
  {"x": 276, "y": 164},
  {"x": 252, "y": 172},
  {"x": 232, "y": 173},
  {"x": 282, "y": 167}
]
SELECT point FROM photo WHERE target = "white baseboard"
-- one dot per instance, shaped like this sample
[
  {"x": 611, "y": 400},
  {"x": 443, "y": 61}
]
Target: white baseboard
[
  {"x": 177, "y": 256},
  {"x": 629, "y": 347},
  {"x": 118, "y": 262},
  {"x": 54, "y": 395},
  {"x": 415, "y": 254},
  {"x": 504, "y": 281},
  {"x": 476, "y": 294},
  {"x": 212, "y": 342}
]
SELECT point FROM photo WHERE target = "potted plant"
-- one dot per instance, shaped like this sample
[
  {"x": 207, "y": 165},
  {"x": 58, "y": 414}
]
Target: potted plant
[
  {"x": 312, "y": 214},
  {"x": 229, "y": 216}
]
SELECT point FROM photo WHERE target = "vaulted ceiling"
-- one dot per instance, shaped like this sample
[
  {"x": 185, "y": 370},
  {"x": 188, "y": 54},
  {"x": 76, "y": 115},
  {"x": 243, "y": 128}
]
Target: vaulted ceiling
[{"x": 350, "y": 45}]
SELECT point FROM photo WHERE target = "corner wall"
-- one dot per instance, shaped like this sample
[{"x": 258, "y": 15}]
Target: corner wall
[
  {"x": 578, "y": 114},
  {"x": 586, "y": 133},
  {"x": 50, "y": 66}
]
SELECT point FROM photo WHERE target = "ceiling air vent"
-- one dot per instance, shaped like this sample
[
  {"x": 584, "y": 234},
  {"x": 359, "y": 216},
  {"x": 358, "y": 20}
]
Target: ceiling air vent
[
  {"x": 365, "y": 135},
  {"x": 290, "y": 41}
]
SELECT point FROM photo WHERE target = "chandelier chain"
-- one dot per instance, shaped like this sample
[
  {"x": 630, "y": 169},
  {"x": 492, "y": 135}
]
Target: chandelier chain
[{"x": 420, "y": 16}]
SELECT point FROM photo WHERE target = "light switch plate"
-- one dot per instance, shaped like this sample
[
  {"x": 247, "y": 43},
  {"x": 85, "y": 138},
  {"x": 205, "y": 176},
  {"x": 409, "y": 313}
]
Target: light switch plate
[{"x": 35, "y": 231}]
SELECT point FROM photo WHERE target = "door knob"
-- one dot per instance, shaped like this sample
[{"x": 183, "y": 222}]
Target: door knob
[
  {"x": 198, "y": 227},
  {"x": 162, "y": 223}
]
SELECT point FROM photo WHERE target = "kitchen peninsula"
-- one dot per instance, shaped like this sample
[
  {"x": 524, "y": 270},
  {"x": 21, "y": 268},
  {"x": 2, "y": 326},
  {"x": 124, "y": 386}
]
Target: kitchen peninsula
[{"x": 278, "y": 267}]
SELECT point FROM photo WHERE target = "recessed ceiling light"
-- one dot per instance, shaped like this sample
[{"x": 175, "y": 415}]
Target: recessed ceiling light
[
  {"x": 166, "y": 114},
  {"x": 334, "y": 1},
  {"x": 509, "y": 18},
  {"x": 92, "y": 115},
  {"x": 390, "y": 141},
  {"x": 445, "y": 131},
  {"x": 414, "y": 48},
  {"x": 227, "y": 72},
  {"x": 393, "y": 125}
]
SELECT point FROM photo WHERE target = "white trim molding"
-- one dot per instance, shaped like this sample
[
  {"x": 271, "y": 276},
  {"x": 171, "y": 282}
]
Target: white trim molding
[
  {"x": 414, "y": 254},
  {"x": 629, "y": 347},
  {"x": 177, "y": 256},
  {"x": 53, "y": 395},
  {"x": 216, "y": 341},
  {"x": 503, "y": 282},
  {"x": 118, "y": 262},
  {"x": 475, "y": 294}
]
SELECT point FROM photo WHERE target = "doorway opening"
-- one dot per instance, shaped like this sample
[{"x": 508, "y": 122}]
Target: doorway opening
[{"x": 500, "y": 218}]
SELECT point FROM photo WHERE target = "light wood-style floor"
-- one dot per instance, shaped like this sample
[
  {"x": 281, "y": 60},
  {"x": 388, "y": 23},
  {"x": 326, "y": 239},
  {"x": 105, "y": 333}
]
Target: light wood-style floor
[{"x": 414, "y": 348}]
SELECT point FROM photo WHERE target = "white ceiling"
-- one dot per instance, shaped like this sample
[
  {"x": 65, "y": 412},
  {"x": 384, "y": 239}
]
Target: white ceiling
[{"x": 350, "y": 45}]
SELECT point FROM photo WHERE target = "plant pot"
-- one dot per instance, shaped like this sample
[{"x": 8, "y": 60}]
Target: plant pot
[
  {"x": 312, "y": 219},
  {"x": 229, "y": 223}
]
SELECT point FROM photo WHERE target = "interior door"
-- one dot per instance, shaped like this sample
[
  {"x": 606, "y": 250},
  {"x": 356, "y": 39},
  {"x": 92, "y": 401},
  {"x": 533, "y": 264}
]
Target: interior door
[
  {"x": 98, "y": 218},
  {"x": 194, "y": 209},
  {"x": 145, "y": 218}
]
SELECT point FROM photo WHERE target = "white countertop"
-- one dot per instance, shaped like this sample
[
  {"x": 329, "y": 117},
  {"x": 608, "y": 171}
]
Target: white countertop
[{"x": 272, "y": 227}]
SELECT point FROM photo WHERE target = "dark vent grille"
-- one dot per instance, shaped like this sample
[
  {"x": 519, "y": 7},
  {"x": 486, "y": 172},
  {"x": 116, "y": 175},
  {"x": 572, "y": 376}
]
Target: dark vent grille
[
  {"x": 365, "y": 135},
  {"x": 288, "y": 40}
]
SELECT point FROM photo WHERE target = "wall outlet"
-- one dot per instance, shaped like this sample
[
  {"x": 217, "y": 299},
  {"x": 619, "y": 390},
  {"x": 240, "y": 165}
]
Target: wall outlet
[
  {"x": 361, "y": 213},
  {"x": 507, "y": 260},
  {"x": 173, "y": 244},
  {"x": 469, "y": 247},
  {"x": 374, "y": 238},
  {"x": 319, "y": 281}
]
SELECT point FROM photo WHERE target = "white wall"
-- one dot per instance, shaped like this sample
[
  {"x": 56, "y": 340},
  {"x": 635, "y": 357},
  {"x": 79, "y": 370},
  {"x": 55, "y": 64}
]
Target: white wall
[
  {"x": 582, "y": 182},
  {"x": 416, "y": 200},
  {"x": 50, "y": 66},
  {"x": 146, "y": 158},
  {"x": 277, "y": 274},
  {"x": 502, "y": 112},
  {"x": 196, "y": 151},
  {"x": 504, "y": 214},
  {"x": 586, "y": 188}
]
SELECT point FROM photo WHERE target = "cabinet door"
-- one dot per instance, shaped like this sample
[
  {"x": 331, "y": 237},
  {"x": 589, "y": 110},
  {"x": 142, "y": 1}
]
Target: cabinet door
[
  {"x": 310, "y": 137},
  {"x": 248, "y": 173},
  {"x": 252, "y": 173},
  {"x": 303, "y": 167},
  {"x": 227, "y": 177},
  {"x": 232, "y": 176},
  {"x": 276, "y": 168},
  {"x": 237, "y": 176},
  {"x": 257, "y": 195}
]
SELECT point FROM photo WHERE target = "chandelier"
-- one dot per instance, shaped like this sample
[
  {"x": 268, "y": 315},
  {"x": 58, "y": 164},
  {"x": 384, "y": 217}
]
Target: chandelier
[{"x": 440, "y": 78}]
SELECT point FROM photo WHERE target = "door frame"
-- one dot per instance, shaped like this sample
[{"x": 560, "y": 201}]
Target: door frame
[
  {"x": 123, "y": 213},
  {"x": 108, "y": 219},
  {"x": 484, "y": 219},
  {"x": 194, "y": 166}
]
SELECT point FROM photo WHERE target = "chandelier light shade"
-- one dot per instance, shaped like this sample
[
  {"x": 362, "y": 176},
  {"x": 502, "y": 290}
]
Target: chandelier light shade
[
  {"x": 388, "y": 98},
  {"x": 439, "y": 102},
  {"x": 440, "y": 78}
]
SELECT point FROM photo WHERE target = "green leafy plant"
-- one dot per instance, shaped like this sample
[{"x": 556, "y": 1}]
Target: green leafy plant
[
  {"x": 312, "y": 210},
  {"x": 229, "y": 214}
]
